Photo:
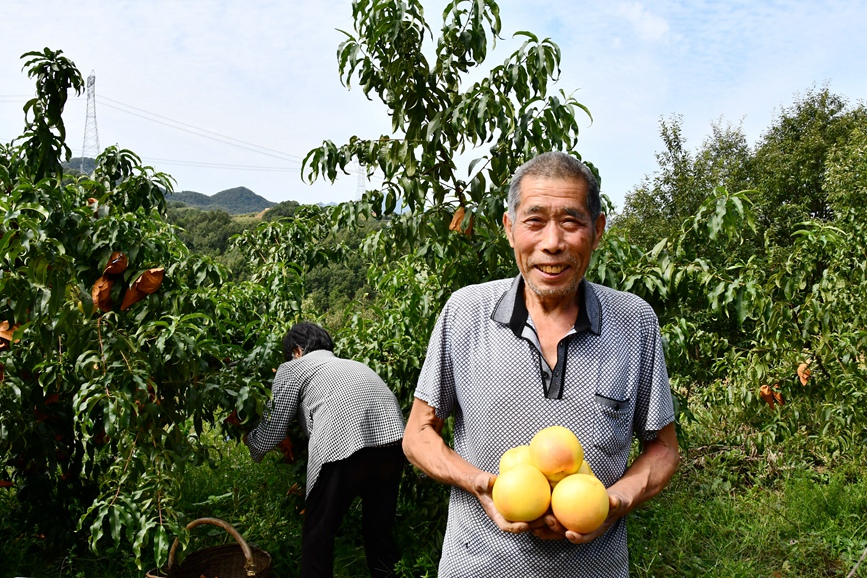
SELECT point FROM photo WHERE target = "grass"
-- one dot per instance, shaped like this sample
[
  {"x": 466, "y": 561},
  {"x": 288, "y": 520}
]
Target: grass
[
  {"x": 729, "y": 514},
  {"x": 803, "y": 526},
  {"x": 726, "y": 513}
]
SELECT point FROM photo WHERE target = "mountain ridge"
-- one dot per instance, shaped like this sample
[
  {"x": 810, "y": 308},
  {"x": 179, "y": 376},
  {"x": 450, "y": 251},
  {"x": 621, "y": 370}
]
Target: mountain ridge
[{"x": 235, "y": 201}]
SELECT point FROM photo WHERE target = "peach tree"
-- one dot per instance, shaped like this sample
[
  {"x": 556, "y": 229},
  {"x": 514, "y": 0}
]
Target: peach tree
[
  {"x": 459, "y": 128},
  {"x": 118, "y": 347}
]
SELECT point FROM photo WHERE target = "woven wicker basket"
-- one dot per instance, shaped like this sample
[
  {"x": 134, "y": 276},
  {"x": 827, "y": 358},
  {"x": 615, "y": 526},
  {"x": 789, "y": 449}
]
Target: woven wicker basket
[{"x": 227, "y": 561}]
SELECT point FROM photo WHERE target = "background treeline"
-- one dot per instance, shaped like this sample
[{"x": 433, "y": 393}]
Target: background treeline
[
  {"x": 120, "y": 421},
  {"x": 329, "y": 289}
]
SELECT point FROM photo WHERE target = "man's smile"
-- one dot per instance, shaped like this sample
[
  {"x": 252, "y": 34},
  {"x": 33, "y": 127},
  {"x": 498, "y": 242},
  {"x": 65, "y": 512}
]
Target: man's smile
[{"x": 552, "y": 269}]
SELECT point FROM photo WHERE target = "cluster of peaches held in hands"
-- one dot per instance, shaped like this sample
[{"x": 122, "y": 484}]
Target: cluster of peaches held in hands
[{"x": 550, "y": 472}]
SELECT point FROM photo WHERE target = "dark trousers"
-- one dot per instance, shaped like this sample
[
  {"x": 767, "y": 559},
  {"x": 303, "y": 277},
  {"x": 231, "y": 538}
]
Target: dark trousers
[{"x": 374, "y": 475}]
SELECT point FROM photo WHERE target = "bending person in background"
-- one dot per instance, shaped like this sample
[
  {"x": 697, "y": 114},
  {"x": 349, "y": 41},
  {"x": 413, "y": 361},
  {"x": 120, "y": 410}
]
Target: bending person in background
[{"x": 354, "y": 425}]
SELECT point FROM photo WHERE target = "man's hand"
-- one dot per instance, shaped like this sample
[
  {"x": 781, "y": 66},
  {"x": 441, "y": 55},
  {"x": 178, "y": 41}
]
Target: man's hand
[
  {"x": 483, "y": 486},
  {"x": 554, "y": 530},
  {"x": 650, "y": 472},
  {"x": 424, "y": 447},
  {"x": 286, "y": 449},
  {"x": 617, "y": 508}
]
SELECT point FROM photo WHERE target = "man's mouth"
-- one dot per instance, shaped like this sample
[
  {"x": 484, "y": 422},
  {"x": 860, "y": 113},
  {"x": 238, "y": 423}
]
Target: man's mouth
[{"x": 551, "y": 269}]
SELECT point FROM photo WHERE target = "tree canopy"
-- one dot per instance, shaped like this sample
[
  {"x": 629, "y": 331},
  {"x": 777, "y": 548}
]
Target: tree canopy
[{"x": 119, "y": 346}]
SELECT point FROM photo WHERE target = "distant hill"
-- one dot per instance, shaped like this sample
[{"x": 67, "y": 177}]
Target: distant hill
[
  {"x": 236, "y": 201},
  {"x": 80, "y": 165}
]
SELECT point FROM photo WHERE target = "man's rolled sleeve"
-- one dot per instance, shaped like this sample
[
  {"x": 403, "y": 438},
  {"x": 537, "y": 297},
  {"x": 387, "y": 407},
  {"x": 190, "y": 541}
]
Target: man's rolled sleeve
[
  {"x": 278, "y": 414},
  {"x": 436, "y": 383},
  {"x": 655, "y": 409}
]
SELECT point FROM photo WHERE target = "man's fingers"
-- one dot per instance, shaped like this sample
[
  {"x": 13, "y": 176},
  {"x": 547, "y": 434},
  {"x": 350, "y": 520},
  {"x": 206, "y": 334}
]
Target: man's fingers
[
  {"x": 616, "y": 505},
  {"x": 484, "y": 483},
  {"x": 547, "y": 534}
]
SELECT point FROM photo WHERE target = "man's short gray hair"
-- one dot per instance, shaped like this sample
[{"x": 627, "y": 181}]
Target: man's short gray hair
[{"x": 555, "y": 165}]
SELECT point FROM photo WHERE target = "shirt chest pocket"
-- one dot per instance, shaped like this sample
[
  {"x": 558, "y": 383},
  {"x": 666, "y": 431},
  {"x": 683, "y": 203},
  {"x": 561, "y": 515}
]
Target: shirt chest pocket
[{"x": 613, "y": 414}]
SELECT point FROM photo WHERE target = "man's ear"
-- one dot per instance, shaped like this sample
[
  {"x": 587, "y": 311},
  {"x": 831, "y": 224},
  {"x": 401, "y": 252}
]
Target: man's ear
[
  {"x": 297, "y": 352},
  {"x": 507, "y": 225},
  {"x": 600, "y": 229}
]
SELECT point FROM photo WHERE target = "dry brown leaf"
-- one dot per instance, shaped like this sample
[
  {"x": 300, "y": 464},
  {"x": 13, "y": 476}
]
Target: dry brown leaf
[
  {"x": 6, "y": 331},
  {"x": 131, "y": 297},
  {"x": 469, "y": 230},
  {"x": 457, "y": 219},
  {"x": 804, "y": 373},
  {"x": 766, "y": 394},
  {"x": 117, "y": 263},
  {"x": 101, "y": 293},
  {"x": 295, "y": 490}
]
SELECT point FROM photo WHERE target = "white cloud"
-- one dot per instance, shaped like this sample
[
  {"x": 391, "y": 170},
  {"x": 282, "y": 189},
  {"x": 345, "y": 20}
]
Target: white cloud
[{"x": 648, "y": 26}]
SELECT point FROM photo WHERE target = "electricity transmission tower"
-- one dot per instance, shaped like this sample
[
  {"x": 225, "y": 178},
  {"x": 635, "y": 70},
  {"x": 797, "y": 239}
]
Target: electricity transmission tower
[
  {"x": 90, "y": 147},
  {"x": 361, "y": 184}
]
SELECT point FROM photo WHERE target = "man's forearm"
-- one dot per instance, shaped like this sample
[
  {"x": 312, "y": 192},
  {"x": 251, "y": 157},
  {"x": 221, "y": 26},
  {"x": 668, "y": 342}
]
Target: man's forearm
[
  {"x": 651, "y": 471},
  {"x": 424, "y": 448}
]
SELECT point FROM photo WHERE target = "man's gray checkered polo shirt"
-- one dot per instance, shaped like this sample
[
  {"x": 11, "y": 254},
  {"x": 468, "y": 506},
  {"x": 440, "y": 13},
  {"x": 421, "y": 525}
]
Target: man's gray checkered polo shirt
[{"x": 484, "y": 367}]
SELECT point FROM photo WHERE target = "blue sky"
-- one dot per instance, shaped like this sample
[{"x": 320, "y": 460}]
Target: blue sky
[{"x": 264, "y": 74}]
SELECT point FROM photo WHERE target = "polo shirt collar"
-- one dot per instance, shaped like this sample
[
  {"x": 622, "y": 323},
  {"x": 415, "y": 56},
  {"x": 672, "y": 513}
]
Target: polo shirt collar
[{"x": 511, "y": 309}]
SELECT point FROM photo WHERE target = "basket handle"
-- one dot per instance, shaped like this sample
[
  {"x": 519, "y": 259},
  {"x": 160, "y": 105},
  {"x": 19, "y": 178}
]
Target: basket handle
[{"x": 249, "y": 567}]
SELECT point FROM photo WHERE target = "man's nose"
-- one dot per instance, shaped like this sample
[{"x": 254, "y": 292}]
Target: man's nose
[{"x": 552, "y": 238}]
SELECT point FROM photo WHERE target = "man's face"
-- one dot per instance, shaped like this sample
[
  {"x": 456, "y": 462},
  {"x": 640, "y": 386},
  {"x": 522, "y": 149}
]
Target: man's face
[{"x": 553, "y": 235}]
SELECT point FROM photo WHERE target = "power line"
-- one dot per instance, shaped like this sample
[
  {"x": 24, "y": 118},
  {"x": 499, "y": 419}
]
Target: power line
[
  {"x": 282, "y": 156},
  {"x": 222, "y": 165},
  {"x": 204, "y": 133},
  {"x": 220, "y": 137}
]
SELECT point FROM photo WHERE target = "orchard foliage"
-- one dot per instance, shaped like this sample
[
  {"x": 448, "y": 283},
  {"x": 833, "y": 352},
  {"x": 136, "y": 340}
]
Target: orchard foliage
[
  {"x": 761, "y": 288},
  {"x": 103, "y": 406}
]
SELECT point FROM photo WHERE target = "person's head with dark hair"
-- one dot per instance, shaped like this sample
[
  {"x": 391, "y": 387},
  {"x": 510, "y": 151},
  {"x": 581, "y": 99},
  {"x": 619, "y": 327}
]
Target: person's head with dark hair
[{"x": 305, "y": 337}]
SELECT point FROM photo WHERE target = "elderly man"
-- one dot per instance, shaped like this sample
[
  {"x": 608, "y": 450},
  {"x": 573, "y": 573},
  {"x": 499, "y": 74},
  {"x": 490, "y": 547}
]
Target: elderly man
[
  {"x": 510, "y": 357},
  {"x": 354, "y": 425}
]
